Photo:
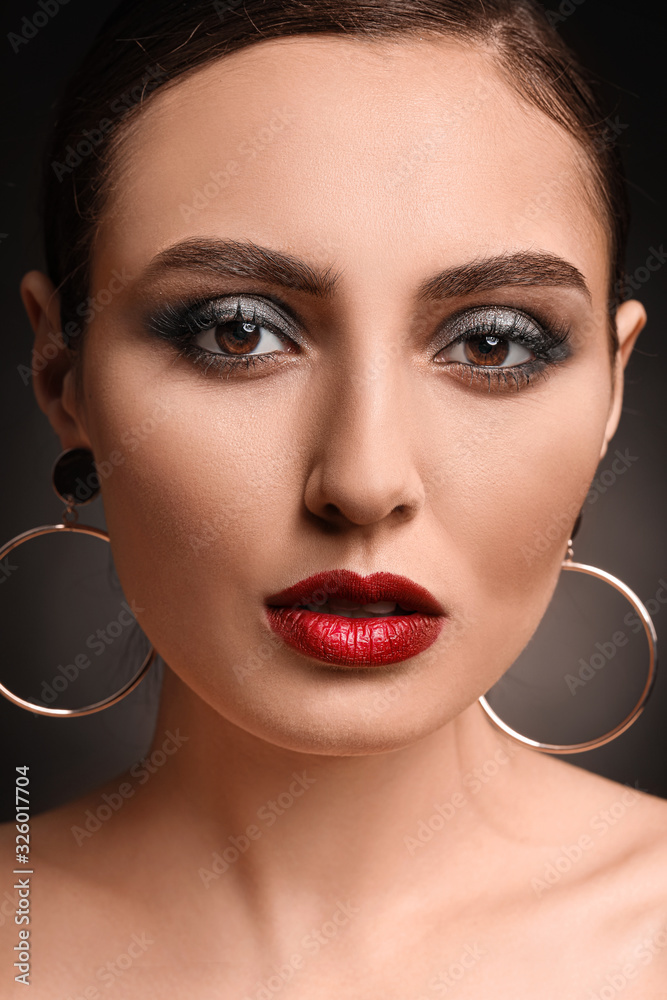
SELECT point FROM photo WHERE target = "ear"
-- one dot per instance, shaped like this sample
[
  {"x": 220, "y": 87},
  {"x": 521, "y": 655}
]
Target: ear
[
  {"x": 53, "y": 371},
  {"x": 630, "y": 321}
]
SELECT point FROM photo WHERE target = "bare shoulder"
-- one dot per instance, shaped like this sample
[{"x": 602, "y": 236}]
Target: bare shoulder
[
  {"x": 598, "y": 874},
  {"x": 74, "y": 894},
  {"x": 44, "y": 857},
  {"x": 74, "y": 849},
  {"x": 632, "y": 822},
  {"x": 638, "y": 818},
  {"x": 66, "y": 840},
  {"x": 617, "y": 832},
  {"x": 49, "y": 834}
]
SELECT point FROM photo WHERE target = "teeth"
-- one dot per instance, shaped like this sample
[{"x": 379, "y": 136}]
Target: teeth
[
  {"x": 379, "y": 609},
  {"x": 342, "y": 604}
]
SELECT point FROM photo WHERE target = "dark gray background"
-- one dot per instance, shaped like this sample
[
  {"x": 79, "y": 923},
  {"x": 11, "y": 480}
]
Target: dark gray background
[{"x": 623, "y": 531}]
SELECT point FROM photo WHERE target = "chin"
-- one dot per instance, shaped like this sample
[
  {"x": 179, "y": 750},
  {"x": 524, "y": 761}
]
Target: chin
[{"x": 337, "y": 712}]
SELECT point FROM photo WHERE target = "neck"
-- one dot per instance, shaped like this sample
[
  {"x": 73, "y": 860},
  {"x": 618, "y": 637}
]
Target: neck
[{"x": 280, "y": 821}]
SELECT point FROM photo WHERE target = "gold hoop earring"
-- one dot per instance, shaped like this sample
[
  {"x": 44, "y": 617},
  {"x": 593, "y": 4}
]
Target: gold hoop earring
[
  {"x": 649, "y": 629},
  {"x": 76, "y": 481}
]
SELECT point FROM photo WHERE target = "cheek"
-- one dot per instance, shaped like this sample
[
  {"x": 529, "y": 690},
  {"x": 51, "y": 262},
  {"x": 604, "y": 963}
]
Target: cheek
[
  {"x": 202, "y": 483},
  {"x": 205, "y": 509},
  {"x": 520, "y": 470}
]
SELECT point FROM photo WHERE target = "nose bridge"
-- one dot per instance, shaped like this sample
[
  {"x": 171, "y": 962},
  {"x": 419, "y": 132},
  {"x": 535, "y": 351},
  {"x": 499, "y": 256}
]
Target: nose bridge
[{"x": 365, "y": 467}]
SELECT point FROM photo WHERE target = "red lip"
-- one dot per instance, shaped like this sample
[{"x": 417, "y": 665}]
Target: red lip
[{"x": 357, "y": 642}]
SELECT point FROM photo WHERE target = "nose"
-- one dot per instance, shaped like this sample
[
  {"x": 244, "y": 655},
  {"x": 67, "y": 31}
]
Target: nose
[{"x": 364, "y": 470}]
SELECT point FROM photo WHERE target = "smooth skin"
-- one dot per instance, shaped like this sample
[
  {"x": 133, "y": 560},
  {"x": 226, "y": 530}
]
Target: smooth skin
[{"x": 354, "y": 449}]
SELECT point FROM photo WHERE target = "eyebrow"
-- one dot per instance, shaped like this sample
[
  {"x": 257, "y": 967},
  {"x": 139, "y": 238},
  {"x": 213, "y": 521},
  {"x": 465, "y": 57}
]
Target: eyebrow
[
  {"x": 245, "y": 259},
  {"x": 522, "y": 268}
]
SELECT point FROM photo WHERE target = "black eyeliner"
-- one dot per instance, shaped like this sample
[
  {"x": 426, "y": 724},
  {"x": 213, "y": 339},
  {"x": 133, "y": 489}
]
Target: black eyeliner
[
  {"x": 181, "y": 321},
  {"x": 548, "y": 342}
]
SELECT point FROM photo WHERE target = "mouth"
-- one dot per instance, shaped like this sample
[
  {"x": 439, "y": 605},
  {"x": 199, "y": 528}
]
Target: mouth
[{"x": 342, "y": 618}]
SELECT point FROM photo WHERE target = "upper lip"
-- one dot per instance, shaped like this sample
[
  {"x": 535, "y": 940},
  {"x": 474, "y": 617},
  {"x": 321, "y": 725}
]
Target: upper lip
[{"x": 363, "y": 589}]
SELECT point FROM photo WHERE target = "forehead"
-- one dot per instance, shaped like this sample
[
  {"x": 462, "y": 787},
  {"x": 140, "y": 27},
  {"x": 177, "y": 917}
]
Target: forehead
[{"x": 391, "y": 155}]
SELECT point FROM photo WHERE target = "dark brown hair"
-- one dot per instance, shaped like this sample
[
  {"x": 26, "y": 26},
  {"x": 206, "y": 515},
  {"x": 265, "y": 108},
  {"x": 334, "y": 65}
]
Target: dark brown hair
[{"x": 148, "y": 44}]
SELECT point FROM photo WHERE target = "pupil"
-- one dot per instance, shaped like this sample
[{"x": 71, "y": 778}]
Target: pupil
[
  {"x": 488, "y": 344},
  {"x": 487, "y": 349},
  {"x": 237, "y": 337},
  {"x": 243, "y": 336}
]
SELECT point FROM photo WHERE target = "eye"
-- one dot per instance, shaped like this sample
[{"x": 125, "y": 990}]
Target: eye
[
  {"x": 487, "y": 349},
  {"x": 501, "y": 346},
  {"x": 240, "y": 335}
]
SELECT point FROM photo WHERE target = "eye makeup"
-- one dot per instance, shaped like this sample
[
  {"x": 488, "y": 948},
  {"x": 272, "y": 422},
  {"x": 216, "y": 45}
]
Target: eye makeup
[
  {"x": 490, "y": 345},
  {"x": 494, "y": 332},
  {"x": 237, "y": 325}
]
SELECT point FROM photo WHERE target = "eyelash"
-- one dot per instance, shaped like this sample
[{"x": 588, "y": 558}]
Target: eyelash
[
  {"x": 549, "y": 343},
  {"x": 181, "y": 323}
]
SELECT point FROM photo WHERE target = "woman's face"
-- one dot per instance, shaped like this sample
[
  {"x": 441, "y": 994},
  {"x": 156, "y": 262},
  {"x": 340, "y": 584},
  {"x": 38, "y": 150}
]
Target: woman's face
[{"x": 366, "y": 436}]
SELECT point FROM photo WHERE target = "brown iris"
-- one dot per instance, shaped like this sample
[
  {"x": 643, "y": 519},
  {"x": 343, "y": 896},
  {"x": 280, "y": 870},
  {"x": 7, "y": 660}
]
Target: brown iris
[
  {"x": 486, "y": 349},
  {"x": 238, "y": 335}
]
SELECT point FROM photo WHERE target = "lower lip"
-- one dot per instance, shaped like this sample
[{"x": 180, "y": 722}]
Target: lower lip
[{"x": 355, "y": 642}]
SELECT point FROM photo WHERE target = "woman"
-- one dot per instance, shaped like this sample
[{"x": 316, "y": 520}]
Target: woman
[{"x": 362, "y": 257}]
